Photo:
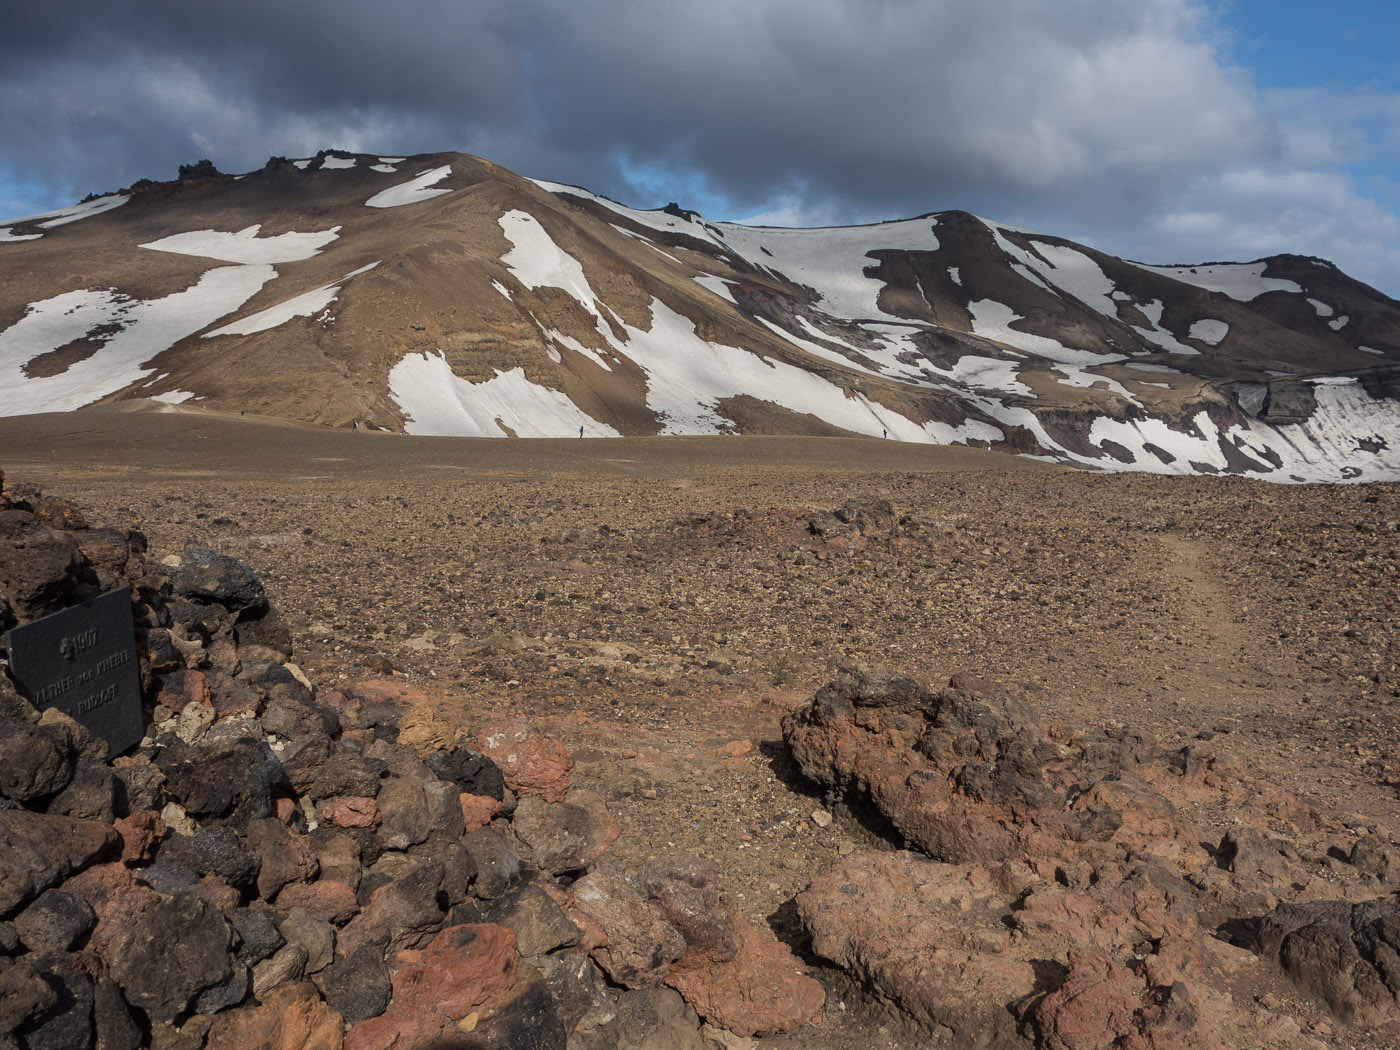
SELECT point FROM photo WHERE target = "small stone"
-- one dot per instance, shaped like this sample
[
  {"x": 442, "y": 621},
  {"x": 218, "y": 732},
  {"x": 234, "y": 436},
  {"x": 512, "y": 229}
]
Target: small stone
[
  {"x": 477, "y": 810},
  {"x": 55, "y": 922},
  {"x": 314, "y": 935},
  {"x": 354, "y": 811}
]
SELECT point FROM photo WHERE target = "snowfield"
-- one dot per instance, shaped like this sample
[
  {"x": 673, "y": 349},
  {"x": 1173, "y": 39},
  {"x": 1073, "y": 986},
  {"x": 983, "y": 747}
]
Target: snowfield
[
  {"x": 246, "y": 246},
  {"x": 439, "y": 403},
  {"x": 413, "y": 191},
  {"x": 305, "y": 305},
  {"x": 63, "y": 216},
  {"x": 146, "y": 328},
  {"x": 1242, "y": 281}
]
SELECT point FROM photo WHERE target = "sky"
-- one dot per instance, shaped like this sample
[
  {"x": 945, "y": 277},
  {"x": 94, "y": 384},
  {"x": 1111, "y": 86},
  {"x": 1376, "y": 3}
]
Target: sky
[{"x": 1165, "y": 131}]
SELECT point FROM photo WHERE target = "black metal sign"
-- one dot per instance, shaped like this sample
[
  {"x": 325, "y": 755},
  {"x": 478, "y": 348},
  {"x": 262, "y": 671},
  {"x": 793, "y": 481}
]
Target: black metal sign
[{"x": 83, "y": 662}]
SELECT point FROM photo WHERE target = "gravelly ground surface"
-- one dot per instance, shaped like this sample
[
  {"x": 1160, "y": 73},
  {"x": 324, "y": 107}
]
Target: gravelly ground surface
[{"x": 658, "y": 604}]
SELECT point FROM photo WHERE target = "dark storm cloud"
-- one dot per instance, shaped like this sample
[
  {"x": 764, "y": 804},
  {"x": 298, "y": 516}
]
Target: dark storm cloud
[{"x": 1113, "y": 121}]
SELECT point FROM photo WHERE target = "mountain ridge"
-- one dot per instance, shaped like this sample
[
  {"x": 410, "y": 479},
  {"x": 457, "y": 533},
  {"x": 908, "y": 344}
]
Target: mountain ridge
[{"x": 444, "y": 294}]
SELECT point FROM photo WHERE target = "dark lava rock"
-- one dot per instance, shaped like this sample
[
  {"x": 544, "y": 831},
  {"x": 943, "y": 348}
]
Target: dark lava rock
[
  {"x": 1345, "y": 954},
  {"x": 357, "y": 985},
  {"x": 92, "y": 794},
  {"x": 116, "y": 1029},
  {"x": 539, "y": 923},
  {"x": 23, "y": 994},
  {"x": 400, "y": 914},
  {"x": 207, "y": 576},
  {"x": 471, "y": 771},
  {"x": 584, "y": 1001},
  {"x": 215, "y": 849},
  {"x": 34, "y": 761},
  {"x": 496, "y": 865},
  {"x": 347, "y": 773},
  {"x": 237, "y": 779},
  {"x": 38, "y": 850},
  {"x": 67, "y": 1024},
  {"x": 257, "y": 935},
  {"x": 41, "y": 570},
  {"x": 177, "y": 949},
  {"x": 139, "y": 783},
  {"x": 404, "y": 810},
  {"x": 55, "y": 922}
]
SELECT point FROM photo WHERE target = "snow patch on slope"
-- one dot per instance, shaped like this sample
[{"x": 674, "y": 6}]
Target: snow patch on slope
[
  {"x": 304, "y": 305},
  {"x": 246, "y": 246},
  {"x": 63, "y": 216},
  {"x": 147, "y": 328},
  {"x": 1241, "y": 281},
  {"x": 441, "y": 403},
  {"x": 831, "y": 260},
  {"x": 537, "y": 262},
  {"x": 413, "y": 191},
  {"x": 1209, "y": 331}
]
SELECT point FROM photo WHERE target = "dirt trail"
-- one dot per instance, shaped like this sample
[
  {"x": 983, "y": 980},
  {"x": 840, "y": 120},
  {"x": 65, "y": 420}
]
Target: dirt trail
[{"x": 1211, "y": 613}]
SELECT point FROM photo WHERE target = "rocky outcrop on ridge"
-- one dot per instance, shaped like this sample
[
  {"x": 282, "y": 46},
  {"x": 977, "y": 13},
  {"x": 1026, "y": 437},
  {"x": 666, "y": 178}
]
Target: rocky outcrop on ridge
[
  {"x": 276, "y": 865},
  {"x": 1060, "y": 890}
]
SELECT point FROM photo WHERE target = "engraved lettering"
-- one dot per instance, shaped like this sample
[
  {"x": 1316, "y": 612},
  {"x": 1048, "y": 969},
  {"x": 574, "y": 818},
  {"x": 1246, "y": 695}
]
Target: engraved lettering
[{"x": 70, "y": 646}]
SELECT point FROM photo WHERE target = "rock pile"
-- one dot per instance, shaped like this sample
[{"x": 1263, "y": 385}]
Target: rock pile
[
  {"x": 1059, "y": 889},
  {"x": 275, "y": 866}
]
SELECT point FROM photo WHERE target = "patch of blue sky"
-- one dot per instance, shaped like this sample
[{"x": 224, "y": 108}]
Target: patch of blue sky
[{"x": 1345, "y": 50}]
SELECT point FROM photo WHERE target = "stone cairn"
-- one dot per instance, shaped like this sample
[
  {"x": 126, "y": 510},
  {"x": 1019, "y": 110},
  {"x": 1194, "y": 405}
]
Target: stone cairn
[{"x": 280, "y": 866}]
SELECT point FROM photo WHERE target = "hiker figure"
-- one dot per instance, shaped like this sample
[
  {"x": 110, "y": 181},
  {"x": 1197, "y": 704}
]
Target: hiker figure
[
  {"x": 354, "y": 424},
  {"x": 580, "y": 431}
]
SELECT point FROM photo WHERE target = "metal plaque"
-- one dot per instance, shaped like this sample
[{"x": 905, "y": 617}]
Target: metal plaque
[{"x": 83, "y": 662}]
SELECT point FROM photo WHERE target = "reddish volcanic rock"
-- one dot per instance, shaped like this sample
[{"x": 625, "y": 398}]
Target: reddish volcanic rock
[
  {"x": 350, "y": 811},
  {"x": 327, "y": 899},
  {"x": 464, "y": 970},
  {"x": 1103, "y": 1004},
  {"x": 477, "y": 810},
  {"x": 761, "y": 989},
  {"x": 183, "y": 687},
  {"x": 140, "y": 831},
  {"x": 293, "y": 1017},
  {"x": 530, "y": 762},
  {"x": 640, "y": 944}
]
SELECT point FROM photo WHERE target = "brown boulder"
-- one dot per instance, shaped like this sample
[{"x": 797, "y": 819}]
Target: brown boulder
[
  {"x": 38, "y": 850},
  {"x": 326, "y": 899},
  {"x": 640, "y": 944},
  {"x": 761, "y": 989},
  {"x": 293, "y": 1017},
  {"x": 179, "y": 948}
]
